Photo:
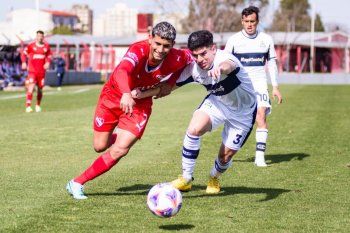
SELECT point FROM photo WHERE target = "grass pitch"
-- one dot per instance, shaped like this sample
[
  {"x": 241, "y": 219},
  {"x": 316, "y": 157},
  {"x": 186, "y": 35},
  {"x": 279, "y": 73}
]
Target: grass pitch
[{"x": 305, "y": 188}]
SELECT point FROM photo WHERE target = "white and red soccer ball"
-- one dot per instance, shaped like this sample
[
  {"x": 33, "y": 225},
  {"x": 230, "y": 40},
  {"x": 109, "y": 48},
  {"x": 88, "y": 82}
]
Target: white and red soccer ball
[{"x": 164, "y": 200}]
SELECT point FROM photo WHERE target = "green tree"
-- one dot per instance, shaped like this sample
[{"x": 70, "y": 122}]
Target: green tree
[
  {"x": 62, "y": 30},
  {"x": 217, "y": 15},
  {"x": 293, "y": 16}
]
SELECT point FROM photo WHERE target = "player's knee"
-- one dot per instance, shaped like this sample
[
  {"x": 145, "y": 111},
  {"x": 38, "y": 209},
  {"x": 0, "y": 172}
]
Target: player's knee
[
  {"x": 118, "y": 152},
  {"x": 100, "y": 146},
  {"x": 196, "y": 131}
]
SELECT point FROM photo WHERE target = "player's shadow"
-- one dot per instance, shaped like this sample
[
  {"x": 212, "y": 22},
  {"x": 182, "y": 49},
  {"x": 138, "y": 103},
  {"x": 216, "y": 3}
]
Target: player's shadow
[
  {"x": 176, "y": 227},
  {"x": 136, "y": 189},
  {"x": 278, "y": 158},
  {"x": 270, "y": 193},
  {"x": 142, "y": 189}
]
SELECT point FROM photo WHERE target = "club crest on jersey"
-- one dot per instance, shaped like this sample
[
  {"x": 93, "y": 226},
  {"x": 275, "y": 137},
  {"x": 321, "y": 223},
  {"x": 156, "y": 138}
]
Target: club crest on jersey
[
  {"x": 99, "y": 121},
  {"x": 262, "y": 44}
]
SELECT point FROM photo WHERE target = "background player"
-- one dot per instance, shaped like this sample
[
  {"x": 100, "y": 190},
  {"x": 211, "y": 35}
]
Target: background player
[
  {"x": 231, "y": 102},
  {"x": 254, "y": 48},
  {"x": 146, "y": 64},
  {"x": 38, "y": 55}
]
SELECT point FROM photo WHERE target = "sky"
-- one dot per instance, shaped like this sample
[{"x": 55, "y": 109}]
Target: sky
[{"x": 331, "y": 11}]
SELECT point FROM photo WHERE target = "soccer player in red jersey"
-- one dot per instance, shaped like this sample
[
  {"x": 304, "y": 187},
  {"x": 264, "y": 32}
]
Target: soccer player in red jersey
[
  {"x": 146, "y": 64},
  {"x": 38, "y": 55}
]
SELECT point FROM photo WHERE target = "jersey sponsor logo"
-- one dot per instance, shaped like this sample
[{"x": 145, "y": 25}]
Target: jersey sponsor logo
[
  {"x": 38, "y": 56},
  {"x": 141, "y": 125},
  {"x": 99, "y": 121},
  {"x": 163, "y": 77},
  {"x": 252, "y": 59}
]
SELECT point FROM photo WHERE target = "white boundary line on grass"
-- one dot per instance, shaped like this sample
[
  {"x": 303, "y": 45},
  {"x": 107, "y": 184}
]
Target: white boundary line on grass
[{"x": 46, "y": 93}]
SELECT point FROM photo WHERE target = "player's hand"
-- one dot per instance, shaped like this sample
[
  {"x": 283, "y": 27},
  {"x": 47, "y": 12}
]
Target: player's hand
[
  {"x": 215, "y": 73},
  {"x": 136, "y": 93},
  {"x": 24, "y": 66},
  {"x": 164, "y": 90},
  {"x": 127, "y": 103},
  {"x": 46, "y": 65},
  {"x": 276, "y": 93}
]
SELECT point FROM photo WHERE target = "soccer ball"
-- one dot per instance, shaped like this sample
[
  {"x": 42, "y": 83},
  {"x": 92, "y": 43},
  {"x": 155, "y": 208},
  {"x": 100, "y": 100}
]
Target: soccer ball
[{"x": 164, "y": 200}]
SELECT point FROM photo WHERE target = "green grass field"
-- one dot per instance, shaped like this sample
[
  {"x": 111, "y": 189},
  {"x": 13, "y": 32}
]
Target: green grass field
[{"x": 305, "y": 188}]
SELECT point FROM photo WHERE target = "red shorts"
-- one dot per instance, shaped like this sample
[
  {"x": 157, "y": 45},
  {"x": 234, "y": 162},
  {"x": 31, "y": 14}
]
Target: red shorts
[
  {"x": 108, "y": 115},
  {"x": 38, "y": 79}
]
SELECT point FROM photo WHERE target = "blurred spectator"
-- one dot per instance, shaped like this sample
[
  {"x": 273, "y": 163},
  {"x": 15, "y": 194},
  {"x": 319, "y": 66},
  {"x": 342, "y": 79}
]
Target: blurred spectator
[{"x": 60, "y": 68}]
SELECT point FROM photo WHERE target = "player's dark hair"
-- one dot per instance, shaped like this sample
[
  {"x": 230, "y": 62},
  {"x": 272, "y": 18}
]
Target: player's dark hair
[
  {"x": 251, "y": 10},
  {"x": 40, "y": 32},
  {"x": 165, "y": 31},
  {"x": 199, "y": 39}
]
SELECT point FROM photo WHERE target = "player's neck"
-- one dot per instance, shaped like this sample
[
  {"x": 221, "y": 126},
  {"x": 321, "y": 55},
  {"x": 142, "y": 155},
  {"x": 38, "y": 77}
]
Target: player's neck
[
  {"x": 39, "y": 43},
  {"x": 153, "y": 62},
  {"x": 250, "y": 35}
]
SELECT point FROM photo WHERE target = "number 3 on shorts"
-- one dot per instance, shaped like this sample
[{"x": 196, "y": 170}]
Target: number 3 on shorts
[{"x": 238, "y": 139}]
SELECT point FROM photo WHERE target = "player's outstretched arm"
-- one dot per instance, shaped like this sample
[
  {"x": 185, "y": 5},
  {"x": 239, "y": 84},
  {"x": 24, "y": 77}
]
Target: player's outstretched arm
[
  {"x": 225, "y": 67},
  {"x": 138, "y": 94}
]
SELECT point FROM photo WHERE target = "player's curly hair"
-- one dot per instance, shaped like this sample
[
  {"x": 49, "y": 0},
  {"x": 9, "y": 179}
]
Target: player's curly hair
[
  {"x": 251, "y": 10},
  {"x": 199, "y": 39},
  {"x": 164, "y": 30}
]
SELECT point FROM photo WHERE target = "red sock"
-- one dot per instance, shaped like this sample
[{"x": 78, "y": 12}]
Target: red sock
[
  {"x": 101, "y": 165},
  {"x": 29, "y": 98},
  {"x": 39, "y": 97},
  {"x": 112, "y": 139}
]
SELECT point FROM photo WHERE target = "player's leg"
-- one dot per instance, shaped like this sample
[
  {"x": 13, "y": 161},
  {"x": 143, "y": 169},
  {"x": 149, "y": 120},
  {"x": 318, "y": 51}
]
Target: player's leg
[
  {"x": 261, "y": 137},
  {"x": 237, "y": 129},
  {"x": 199, "y": 124},
  {"x": 30, "y": 85},
  {"x": 39, "y": 96},
  {"x": 204, "y": 119},
  {"x": 128, "y": 133},
  {"x": 221, "y": 164},
  {"x": 103, "y": 140}
]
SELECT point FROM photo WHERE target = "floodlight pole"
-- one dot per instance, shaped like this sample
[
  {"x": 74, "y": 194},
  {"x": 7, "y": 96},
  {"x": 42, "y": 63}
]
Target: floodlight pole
[
  {"x": 37, "y": 13},
  {"x": 312, "y": 38}
]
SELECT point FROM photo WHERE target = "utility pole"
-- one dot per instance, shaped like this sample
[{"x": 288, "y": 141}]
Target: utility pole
[{"x": 312, "y": 37}]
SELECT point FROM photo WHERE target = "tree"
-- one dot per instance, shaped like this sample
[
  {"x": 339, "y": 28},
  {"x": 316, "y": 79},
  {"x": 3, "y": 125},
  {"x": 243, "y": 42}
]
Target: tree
[
  {"x": 215, "y": 15},
  {"x": 62, "y": 30},
  {"x": 293, "y": 16}
]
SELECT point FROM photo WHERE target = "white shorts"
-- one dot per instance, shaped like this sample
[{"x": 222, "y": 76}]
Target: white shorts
[
  {"x": 262, "y": 96},
  {"x": 237, "y": 123}
]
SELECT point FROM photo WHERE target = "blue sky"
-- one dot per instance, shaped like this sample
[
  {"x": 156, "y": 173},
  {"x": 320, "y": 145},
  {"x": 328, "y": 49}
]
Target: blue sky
[{"x": 331, "y": 11}]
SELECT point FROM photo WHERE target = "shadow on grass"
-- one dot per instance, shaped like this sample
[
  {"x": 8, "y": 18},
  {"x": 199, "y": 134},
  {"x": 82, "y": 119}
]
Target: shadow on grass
[
  {"x": 142, "y": 189},
  {"x": 270, "y": 193},
  {"x": 176, "y": 227},
  {"x": 277, "y": 158}
]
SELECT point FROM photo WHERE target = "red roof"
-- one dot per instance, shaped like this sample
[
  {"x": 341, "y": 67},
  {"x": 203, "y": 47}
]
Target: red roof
[{"x": 61, "y": 13}]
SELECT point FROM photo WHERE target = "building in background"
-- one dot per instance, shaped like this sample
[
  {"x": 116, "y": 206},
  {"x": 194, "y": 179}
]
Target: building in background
[
  {"x": 85, "y": 15},
  {"x": 64, "y": 18},
  {"x": 119, "y": 21}
]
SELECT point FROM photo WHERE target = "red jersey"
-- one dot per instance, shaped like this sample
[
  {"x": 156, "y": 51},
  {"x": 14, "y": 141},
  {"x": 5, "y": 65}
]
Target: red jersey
[
  {"x": 135, "y": 66},
  {"x": 37, "y": 56}
]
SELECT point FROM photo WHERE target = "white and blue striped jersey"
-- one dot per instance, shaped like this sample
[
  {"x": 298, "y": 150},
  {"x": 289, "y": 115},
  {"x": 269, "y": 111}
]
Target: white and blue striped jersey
[
  {"x": 253, "y": 52},
  {"x": 234, "y": 90}
]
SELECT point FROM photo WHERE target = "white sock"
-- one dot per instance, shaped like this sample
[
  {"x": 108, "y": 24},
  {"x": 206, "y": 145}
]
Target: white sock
[
  {"x": 190, "y": 152},
  {"x": 219, "y": 168},
  {"x": 261, "y": 138}
]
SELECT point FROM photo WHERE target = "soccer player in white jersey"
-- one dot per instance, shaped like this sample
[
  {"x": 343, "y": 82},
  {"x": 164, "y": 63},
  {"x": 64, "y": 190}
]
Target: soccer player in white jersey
[
  {"x": 230, "y": 102},
  {"x": 254, "y": 48}
]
